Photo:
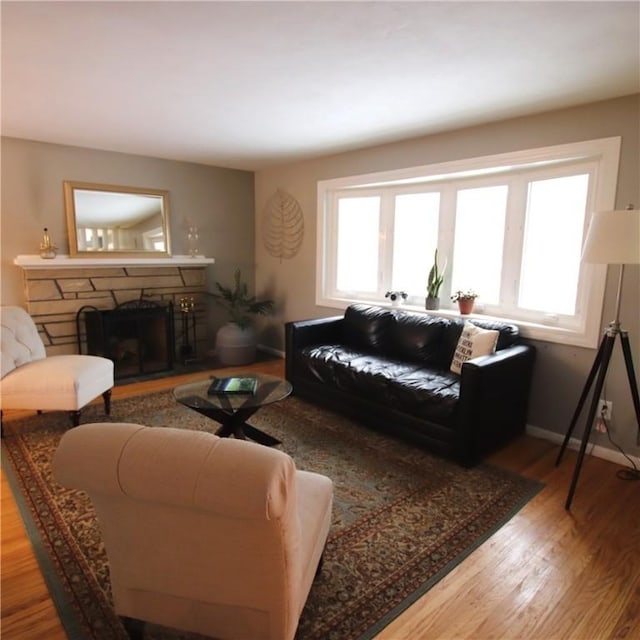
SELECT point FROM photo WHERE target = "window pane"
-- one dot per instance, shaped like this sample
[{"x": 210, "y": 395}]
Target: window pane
[
  {"x": 357, "y": 250},
  {"x": 553, "y": 244},
  {"x": 479, "y": 239},
  {"x": 415, "y": 237}
]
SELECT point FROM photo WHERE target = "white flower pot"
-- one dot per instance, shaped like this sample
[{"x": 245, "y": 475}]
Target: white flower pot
[{"x": 234, "y": 345}]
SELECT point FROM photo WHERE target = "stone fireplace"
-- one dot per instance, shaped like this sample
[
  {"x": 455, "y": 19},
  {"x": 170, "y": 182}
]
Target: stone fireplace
[{"x": 58, "y": 288}]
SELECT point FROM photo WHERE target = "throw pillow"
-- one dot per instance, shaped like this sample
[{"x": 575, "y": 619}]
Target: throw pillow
[{"x": 473, "y": 342}]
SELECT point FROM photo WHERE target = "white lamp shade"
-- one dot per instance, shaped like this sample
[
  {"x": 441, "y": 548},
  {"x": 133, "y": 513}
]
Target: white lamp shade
[{"x": 613, "y": 237}]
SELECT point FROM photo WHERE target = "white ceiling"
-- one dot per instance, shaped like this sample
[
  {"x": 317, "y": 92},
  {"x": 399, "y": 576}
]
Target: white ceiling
[{"x": 252, "y": 84}]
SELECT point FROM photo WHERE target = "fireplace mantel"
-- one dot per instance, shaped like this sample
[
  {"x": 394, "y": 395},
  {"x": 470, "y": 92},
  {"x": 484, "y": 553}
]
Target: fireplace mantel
[
  {"x": 66, "y": 262},
  {"x": 57, "y": 288}
]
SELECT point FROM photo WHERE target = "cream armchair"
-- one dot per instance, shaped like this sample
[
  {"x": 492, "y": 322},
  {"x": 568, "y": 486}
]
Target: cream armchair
[
  {"x": 31, "y": 380},
  {"x": 212, "y": 535}
]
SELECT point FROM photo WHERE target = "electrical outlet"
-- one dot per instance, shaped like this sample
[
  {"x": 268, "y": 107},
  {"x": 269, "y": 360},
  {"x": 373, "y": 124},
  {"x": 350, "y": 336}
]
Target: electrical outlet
[{"x": 605, "y": 409}]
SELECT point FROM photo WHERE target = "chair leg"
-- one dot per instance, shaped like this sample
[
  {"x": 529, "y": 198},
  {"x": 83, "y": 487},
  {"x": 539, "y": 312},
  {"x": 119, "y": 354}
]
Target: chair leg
[
  {"x": 75, "y": 418},
  {"x": 107, "y": 401},
  {"x": 133, "y": 627}
]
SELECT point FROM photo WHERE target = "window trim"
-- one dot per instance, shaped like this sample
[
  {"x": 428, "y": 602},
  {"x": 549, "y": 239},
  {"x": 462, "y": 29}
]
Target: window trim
[{"x": 606, "y": 153}]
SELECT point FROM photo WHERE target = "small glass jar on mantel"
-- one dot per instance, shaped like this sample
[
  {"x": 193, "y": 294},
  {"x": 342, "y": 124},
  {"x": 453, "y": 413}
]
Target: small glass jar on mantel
[
  {"x": 48, "y": 249},
  {"x": 192, "y": 237}
]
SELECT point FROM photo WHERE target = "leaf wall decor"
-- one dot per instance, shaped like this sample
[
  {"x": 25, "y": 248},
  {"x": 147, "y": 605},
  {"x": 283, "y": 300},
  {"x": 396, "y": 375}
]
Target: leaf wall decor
[{"x": 282, "y": 225}]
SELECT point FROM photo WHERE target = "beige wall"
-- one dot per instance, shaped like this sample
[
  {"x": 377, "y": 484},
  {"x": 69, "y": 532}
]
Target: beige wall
[
  {"x": 561, "y": 370},
  {"x": 220, "y": 202}
]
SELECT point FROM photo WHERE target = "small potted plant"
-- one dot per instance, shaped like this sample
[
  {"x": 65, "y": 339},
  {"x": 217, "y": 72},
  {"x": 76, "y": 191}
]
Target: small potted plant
[
  {"x": 434, "y": 282},
  {"x": 396, "y": 297},
  {"x": 465, "y": 299}
]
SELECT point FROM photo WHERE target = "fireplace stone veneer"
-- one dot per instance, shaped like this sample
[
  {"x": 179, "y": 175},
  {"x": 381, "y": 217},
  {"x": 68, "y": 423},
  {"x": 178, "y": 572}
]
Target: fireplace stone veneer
[{"x": 56, "y": 290}]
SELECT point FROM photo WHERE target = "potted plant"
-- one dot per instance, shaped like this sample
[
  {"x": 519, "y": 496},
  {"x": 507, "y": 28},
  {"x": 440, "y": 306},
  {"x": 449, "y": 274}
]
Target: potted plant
[
  {"x": 396, "y": 297},
  {"x": 466, "y": 300},
  {"x": 236, "y": 341},
  {"x": 434, "y": 282}
]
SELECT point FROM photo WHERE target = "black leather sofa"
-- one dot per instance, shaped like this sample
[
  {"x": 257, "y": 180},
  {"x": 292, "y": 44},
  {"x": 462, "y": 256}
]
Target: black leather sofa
[{"x": 389, "y": 369}]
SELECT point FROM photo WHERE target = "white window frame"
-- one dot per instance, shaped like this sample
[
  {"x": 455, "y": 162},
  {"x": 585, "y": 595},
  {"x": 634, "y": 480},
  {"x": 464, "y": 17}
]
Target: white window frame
[{"x": 600, "y": 157}]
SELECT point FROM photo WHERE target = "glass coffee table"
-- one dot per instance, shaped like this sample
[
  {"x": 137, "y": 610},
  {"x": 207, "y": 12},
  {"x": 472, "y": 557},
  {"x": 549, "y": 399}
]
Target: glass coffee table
[{"x": 233, "y": 410}]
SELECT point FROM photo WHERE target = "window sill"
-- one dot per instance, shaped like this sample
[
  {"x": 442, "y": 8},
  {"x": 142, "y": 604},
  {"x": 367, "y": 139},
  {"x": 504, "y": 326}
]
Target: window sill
[{"x": 528, "y": 330}]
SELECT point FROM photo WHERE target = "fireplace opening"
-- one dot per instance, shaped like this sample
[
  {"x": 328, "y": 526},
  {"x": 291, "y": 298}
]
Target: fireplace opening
[{"x": 138, "y": 336}]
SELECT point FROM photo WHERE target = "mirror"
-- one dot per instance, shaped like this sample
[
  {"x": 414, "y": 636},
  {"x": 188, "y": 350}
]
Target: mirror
[{"x": 111, "y": 220}]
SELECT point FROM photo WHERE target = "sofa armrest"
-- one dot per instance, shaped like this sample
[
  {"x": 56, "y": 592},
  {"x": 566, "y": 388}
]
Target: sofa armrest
[
  {"x": 494, "y": 400},
  {"x": 302, "y": 333}
]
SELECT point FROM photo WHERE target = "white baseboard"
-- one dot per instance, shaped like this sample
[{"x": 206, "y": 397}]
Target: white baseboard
[
  {"x": 271, "y": 350},
  {"x": 612, "y": 455}
]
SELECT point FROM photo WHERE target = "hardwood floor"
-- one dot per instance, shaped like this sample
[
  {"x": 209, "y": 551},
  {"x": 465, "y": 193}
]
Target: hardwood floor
[{"x": 547, "y": 574}]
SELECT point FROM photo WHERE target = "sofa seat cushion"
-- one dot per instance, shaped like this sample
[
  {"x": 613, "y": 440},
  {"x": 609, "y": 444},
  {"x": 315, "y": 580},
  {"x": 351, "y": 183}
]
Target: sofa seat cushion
[
  {"x": 432, "y": 394},
  {"x": 346, "y": 367},
  {"x": 408, "y": 387}
]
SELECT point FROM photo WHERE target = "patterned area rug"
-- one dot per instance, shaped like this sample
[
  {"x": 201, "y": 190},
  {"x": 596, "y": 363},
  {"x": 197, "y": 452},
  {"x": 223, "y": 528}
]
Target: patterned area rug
[{"x": 402, "y": 518}]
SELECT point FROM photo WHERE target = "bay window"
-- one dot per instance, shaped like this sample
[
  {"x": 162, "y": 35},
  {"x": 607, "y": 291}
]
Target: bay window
[{"x": 510, "y": 227}]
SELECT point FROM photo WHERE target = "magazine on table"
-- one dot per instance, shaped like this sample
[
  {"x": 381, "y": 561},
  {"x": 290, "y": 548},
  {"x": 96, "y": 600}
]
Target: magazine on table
[{"x": 235, "y": 384}]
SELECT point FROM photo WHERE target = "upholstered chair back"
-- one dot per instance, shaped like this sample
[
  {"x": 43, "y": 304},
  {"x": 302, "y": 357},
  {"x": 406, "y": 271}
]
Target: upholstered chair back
[
  {"x": 19, "y": 339},
  {"x": 212, "y": 535}
]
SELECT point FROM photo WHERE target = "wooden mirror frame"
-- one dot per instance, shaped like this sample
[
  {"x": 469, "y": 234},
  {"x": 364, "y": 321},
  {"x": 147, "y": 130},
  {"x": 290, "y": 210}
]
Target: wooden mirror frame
[{"x": 137, "y": 206}]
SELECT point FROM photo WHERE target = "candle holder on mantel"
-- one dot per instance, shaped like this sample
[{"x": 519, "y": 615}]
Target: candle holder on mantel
[
  {"x": 48, "y": 249},
  {"x": 193, "y": 237}
]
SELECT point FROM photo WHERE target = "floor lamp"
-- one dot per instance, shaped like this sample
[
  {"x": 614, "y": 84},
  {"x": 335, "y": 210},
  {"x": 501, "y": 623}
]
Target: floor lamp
[{"x": 613, "y": 238}]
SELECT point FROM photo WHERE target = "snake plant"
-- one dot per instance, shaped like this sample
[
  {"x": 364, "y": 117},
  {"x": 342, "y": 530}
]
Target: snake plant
[{"x": 436, "y": 278}]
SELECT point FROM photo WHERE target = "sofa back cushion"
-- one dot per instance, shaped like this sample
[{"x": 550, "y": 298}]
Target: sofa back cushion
[
  {"x": 366, "y": 327},
  {"x": 414, "y": 337},
  {"x": 20, "y": 341}
]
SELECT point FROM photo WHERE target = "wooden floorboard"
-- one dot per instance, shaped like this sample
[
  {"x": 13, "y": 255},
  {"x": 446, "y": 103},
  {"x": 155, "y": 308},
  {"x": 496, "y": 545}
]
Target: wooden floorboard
[{"x": 546, "y": 575}]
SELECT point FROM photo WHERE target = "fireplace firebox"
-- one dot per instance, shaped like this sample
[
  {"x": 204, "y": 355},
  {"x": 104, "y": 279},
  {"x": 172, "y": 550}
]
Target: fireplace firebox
[{"x": 138, "y": 336}]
